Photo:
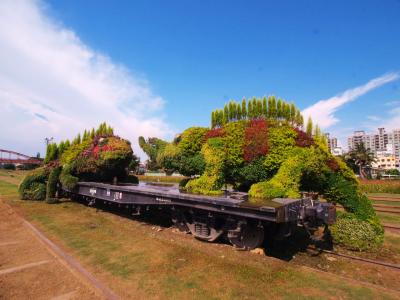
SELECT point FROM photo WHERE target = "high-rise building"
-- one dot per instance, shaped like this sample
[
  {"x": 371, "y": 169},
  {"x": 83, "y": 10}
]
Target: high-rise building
[
  {"x": 332, "y": 142},
  {"x": 388, "y": 142}
]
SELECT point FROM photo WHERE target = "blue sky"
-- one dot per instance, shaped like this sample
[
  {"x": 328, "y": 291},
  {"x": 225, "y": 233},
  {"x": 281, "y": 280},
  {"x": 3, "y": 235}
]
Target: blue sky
[{"x": 191, "y": 57}]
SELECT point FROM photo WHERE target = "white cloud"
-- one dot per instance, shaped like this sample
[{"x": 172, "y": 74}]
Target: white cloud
[
  {"x": 323, "y": 112},
  {"x": 52, "y": 84},
  {"x": 393, "y": 122},
  {"x": 374, "y": 118},
  {"x": 392, "y": 103}
]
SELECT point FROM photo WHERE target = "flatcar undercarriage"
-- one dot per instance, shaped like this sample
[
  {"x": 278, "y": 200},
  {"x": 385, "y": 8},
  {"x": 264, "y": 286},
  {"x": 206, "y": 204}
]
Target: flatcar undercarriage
[{"x": 211, "y": 218}]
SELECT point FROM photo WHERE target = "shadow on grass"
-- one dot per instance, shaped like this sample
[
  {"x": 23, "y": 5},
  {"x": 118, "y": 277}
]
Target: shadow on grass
[{"x": 299, "y": 241}]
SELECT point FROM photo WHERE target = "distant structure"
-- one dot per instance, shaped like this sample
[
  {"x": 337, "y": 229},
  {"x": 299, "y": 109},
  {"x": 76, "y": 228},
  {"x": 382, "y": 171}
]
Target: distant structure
[
  {"x": 383, "y": 144},
  {"x": 12, "y": 157},
  {"x": 332, "y": 141},
  {"x": 333, "y": 145}
]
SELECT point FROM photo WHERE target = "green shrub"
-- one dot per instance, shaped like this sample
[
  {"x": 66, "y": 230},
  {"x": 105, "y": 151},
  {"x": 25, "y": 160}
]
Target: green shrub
[
  {"x": 183, "y": 182},
  {"x": 281, "y": 140},
  {"x": 9, "y": 166},
  {"x": 233, "y": 143},
  {"x": 191, "y": 165},
  {"x": 192, "y": 140},
  {"x": 249, "y": 174},
  {"x": 73, "y": 151},
  {"x": 37, "y": 191},
  {"x": 52, "y": 182},
  {"x": 286, "y": 182},
  {"x": 212, "y": 180},
  {"x": 33, "y": 186},
  {"x": 206, "y": 185},
  {"x": 67, "y": 180},
  {"x": 131, "y": 179},
  {"x": 168, "y": 158},
  {"x": 346, "y": 193},
  {"x": 355, "y": 234}
]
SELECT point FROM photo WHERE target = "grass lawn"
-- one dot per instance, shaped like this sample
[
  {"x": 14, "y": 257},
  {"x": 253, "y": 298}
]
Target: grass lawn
[
  {"x": 167, "y": 179},
  {"x": 389, "y": 218},
  {"x": 389, "y": 203},
  {"x": 396, "y": 196},
  {"x": 137, "y": 261}
]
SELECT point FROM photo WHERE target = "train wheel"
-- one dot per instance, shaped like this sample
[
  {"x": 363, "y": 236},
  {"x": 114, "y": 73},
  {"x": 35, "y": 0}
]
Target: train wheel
[
  {"x": 178, "y": 219},
  {"x": 248, "y": 238},
  {"x": 181, "y": 225}
]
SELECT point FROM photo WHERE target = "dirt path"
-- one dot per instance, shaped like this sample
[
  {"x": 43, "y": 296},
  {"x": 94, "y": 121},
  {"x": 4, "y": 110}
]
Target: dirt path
[{"x": 31, "y": 267}]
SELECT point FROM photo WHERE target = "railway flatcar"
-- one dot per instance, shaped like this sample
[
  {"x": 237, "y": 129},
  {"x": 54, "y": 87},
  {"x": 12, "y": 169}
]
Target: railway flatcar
[{"x": 208, "y": 218}]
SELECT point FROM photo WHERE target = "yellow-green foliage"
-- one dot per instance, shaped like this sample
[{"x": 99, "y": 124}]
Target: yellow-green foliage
[
  {"x": 67, "y": 180},
  {"x": 119, "y": 149},
  {"x": 212, "y": 180},
  {"x": 233, "y": 141},
  {"x": 192, "y": 140},
  {"x": 33, "y": 187},
  {"x": 73, "y": 151},
  {"x": 281, "y": 140},
  {"x": 286, "y": 183},
  {"x": 356, "y": 234},
  {"x": 169, "y": 158}
]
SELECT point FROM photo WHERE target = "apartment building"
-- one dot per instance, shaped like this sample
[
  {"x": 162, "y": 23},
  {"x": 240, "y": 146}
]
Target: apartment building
[
  {"x": 381, "y": 143},
  {"x": 332, "y": 142}
]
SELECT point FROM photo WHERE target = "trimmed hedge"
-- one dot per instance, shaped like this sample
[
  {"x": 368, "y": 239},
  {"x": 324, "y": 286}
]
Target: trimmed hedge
[
  {"x": 33, "y": 187},
  {"x": 355, "y": 234},
  {"x": 52, "y": 183}
]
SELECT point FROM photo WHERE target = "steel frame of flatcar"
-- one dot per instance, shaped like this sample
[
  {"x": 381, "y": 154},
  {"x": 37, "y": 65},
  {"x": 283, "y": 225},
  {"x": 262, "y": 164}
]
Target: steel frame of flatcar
[
  {"x": 208, "y": 218},
  {"x": 120, "y": 195}
]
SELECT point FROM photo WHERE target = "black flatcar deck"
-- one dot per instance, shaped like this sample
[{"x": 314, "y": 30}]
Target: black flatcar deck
[
  {"x": 209, "y": 217},
  {"x": 276, "y": 210}
]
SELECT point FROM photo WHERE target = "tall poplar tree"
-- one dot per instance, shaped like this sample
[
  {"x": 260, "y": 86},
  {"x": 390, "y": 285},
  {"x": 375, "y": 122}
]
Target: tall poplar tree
[
  {"x": 254, "y": 105},
  {"x": 259, "y": 108},
  {"x": 244, "y": 109},
  {"x": 293, "y": 110},
  {"x": 279, "y": 109},
  {"x": 309, "y": 129},
  {"x": 239, "y": 111},
  {"x": 226, "y": 114},
  {"x": 264, "y": 107},
  {"x": 272, "y": 107},
  {"x": 249, "y": 110}
]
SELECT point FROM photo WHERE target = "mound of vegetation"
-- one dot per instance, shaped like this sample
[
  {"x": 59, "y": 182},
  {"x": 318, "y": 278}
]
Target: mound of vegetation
[
  {"x": 260, "y": 146},
  {"x": 97, "y": 155}
]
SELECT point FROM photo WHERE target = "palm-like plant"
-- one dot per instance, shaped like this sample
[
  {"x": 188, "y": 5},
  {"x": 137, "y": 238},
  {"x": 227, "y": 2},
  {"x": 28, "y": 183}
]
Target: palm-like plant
[{"x": 362, "y": 157}]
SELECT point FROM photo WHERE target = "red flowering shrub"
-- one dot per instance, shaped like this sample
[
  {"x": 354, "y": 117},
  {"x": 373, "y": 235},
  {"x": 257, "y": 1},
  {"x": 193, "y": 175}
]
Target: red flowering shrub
[
  {"x": 333, "y": 164},
  {"x": 256, "y": 140},
  {"x": 215, "y": 132},
  {"x": 303, "y": 139}
]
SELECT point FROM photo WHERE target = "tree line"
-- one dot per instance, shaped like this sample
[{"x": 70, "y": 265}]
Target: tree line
[{"x": 257, "y": 108}]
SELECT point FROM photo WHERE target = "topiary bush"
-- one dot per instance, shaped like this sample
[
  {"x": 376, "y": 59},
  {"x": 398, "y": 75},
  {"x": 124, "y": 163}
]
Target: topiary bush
[
  {"x": 263, "y": 148},
  {"x": 52, "y": 183},
  {"x": 355, "y": 234},
  {"x": 192, "y": 139},
  {"x": 212, "y": 180},
  {"x": 281, "y": 140},
  {"x": 33, "y": 186}
]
